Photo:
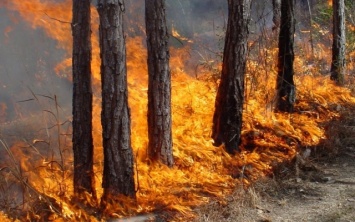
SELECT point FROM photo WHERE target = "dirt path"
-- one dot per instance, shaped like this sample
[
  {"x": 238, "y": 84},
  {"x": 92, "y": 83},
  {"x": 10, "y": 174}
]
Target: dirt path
[
  {"x": 324, "y": 193},
  {"x": 320, "y": 191}
]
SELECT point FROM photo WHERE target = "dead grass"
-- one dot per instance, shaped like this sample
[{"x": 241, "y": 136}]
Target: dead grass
[
  {"x": 293, "y": 182},
  {"x": 235, "y": 206},
  {"x": 284, "y": 187},
  {"x": 339, "y": 134}
]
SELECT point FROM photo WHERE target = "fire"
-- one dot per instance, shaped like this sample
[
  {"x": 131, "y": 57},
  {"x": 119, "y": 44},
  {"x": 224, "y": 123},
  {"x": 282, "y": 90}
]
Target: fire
[
  {"x": 201, "y": 171},
  {"x": 53, "y": 18},
  {"x": 177, "y": 35}
]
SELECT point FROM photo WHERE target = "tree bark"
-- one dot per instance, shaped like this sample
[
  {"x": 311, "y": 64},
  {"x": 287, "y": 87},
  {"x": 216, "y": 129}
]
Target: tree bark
[
  {"x": 337, "y": 71},
  {"x": 82, "y": 99},
  {"x": 276, "y": 9},
  {"x": 115, "y": 117},
  {"x": 286, "y": 90},
  {"x": 227, "y": 118},
  {"x": 159, "y": 85}
]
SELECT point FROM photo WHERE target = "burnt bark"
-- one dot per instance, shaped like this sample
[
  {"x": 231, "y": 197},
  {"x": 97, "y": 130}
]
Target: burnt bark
[
  {"x": 115, "y": 116},
  {"x": 159, "y": 84},
  {"x": 337, "y": 71},
  {"x": 82, "y": 99},
  {"x": 286, "y": 90},
  {"x": 227, "y": 118}
]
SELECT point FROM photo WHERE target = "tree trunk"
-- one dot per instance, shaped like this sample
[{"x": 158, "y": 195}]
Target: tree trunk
[
  {"x": 82, "y": 99},
  {"x": 286, "y": 90},
  {"x": 276, "y": 9},
  {"x": 227, "y": 119},
  {"x": 337, "y": 71},
  {"x": 115, "y": 117},
  {"x": 159, "y": 86}
]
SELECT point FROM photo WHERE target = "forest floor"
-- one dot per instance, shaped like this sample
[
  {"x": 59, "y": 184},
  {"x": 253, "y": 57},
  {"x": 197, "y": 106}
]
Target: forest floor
[
  {"x": 313, "y": 189},
  {"x": 318, "y": 185}
]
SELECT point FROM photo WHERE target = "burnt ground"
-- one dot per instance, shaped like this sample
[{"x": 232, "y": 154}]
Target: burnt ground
[{"x": 308, "y": 189}]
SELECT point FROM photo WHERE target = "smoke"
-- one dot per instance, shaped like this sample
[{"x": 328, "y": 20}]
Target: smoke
[{"x": 27, "y": 58}]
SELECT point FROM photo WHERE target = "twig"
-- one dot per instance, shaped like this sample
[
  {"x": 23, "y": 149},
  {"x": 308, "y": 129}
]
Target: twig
[
  {"x": 26, "y": 100},
  {"x": 16, "y": 172},
  {"x": 58, "y": 20}
]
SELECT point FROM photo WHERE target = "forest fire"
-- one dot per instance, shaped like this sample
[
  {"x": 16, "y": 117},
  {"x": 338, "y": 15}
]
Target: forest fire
[{"x": 201, "y": 171}]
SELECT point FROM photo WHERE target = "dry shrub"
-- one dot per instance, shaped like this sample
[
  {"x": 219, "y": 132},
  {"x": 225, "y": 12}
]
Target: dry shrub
[
  {"x": 339, "y": 133},
  {"x": 236, "y": 207}
]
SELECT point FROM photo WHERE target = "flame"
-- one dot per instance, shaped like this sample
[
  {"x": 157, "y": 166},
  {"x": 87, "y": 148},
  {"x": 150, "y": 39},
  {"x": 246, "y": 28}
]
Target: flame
[
  {"x": 53, "y": 18},
  {"x": 201, "y": 171},
  {"x": 177, "y": 35}
]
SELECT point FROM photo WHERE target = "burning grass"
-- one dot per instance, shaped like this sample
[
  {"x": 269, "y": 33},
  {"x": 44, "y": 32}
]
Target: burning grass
[
  {"x": 202, "y": 172},
  {"x": 39, "y": 174}
]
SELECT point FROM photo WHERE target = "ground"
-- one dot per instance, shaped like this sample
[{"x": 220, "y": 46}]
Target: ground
[{"x": 309, "y": 189}]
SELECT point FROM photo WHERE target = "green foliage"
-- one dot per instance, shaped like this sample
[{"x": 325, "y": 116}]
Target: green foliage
[
  {"x": 323, "y": 20},
  {"x": 324, "y": 14},
  {"x": 350, "y": 11}
]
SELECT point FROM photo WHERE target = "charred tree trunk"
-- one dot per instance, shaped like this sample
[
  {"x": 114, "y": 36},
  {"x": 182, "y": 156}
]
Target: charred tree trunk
[
  {"x": 115, "y": 117},
  {"x": 337, "y": 71},
  {"x": 159, "y": 86},
  {"x": 82, "y": 99},
  {"x": 286, "y": 90},
  {"x": 227, "y": 118},
  {"x": 276, "y": 9}
]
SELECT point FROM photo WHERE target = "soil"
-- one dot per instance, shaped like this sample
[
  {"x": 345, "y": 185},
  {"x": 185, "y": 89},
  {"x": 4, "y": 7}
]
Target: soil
[
  {"x": 312, "y": 189},
  {"x": 326, "y": 192}
]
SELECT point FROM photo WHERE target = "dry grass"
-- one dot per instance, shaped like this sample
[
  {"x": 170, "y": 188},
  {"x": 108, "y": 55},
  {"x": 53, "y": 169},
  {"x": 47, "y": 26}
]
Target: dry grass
[
  {"x": 236, "y": 206},
  {"x": 290, "y": 181},
  {"x": 271, "y": 141},
  {"x": 340, "y": 132}
]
